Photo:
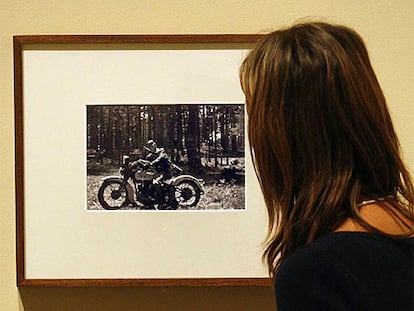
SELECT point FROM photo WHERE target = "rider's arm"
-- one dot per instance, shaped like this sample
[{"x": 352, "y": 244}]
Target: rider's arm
[
  {"x": 139, "y": 162},
  {"x": 162, "y": 155}
]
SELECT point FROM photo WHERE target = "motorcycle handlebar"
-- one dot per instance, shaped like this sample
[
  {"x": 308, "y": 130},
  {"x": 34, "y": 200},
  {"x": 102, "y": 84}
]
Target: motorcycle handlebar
[
  {"x": 140, "y": 162},
  {"x": 144, "y": 164}
]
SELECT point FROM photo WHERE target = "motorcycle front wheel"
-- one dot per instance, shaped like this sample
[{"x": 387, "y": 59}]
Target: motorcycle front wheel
[
  {"x": 112, "y": 195},
  {"x": 187, "y": 193}
]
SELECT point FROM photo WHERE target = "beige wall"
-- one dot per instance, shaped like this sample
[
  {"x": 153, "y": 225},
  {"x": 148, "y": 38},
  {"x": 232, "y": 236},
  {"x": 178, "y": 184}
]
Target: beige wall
[{"x": 387, "y": 26}]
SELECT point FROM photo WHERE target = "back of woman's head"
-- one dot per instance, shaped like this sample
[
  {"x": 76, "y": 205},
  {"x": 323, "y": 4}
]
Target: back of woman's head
[{"x": 320, "y": 132}]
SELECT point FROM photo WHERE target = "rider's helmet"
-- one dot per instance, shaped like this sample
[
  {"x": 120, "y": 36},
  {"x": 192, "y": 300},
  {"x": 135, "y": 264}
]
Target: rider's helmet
[{"x": 151, "y": 146}]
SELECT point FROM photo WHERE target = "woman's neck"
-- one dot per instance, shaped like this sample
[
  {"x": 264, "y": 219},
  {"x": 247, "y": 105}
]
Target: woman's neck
[{"x": 378, "y": 217}]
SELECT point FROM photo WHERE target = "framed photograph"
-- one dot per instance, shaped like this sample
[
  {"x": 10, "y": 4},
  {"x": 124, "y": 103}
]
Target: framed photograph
[{"x": 132, "y": 162}]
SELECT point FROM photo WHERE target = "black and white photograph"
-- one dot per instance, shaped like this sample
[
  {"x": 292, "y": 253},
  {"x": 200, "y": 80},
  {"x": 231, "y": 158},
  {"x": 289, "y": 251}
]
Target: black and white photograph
[{"x": 165, "y": 157}]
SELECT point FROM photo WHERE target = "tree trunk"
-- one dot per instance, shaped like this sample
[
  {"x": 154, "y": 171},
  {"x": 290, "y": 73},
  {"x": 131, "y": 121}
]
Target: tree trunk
[{"x": 192, "y": 139}]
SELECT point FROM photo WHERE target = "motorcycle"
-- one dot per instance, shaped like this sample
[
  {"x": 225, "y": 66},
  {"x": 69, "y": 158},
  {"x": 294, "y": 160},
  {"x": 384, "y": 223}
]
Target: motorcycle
[{"x": 136, "y": 183}]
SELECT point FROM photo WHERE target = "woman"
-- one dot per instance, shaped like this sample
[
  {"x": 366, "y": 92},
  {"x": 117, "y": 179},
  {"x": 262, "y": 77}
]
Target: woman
[{"x": 340, "y": 200}]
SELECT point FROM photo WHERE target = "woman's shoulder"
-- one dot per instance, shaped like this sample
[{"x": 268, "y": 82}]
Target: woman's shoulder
[
  {"x": 341, "y": 246},
  {"x": 346, "y": 268}
]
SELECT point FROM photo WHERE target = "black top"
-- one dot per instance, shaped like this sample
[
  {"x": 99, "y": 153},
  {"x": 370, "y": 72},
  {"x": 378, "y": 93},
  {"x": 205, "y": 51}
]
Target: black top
[{"x": 348, "y": 271}]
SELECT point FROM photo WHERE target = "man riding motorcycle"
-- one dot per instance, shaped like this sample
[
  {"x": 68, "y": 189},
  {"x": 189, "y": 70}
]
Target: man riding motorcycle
[
  {"x": 158, "y": 159},
  {"x": 152, "y": 181}
]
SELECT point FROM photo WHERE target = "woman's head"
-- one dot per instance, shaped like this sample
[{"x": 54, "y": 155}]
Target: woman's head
[{"x": 320, "y": 132}]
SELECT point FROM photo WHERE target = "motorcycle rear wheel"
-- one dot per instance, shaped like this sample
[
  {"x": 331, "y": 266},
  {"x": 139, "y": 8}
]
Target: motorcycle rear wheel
[{"x": 112, "y": 195}]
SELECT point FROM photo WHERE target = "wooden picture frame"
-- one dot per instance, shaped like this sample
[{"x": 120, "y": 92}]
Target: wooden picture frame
[{"x": 34, "y": 221}]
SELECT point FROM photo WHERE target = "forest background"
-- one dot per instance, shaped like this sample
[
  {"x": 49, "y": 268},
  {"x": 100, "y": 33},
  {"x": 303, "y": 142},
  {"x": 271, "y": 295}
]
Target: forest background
[{"x": 198, "y": 136}]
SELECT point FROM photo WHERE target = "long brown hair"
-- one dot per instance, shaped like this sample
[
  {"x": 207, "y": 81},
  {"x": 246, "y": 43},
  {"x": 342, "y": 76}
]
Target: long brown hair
[{"x": 321, "y": 136}]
